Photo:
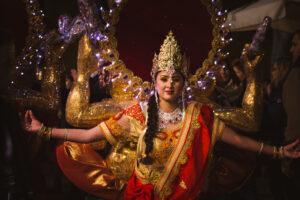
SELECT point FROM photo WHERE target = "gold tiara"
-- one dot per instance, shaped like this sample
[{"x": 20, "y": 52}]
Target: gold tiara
[{"x": 169, "y": 58}]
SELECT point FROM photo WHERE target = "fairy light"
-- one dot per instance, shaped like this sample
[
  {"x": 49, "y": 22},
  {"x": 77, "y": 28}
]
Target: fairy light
[
  {"x": 113, "y": 79},
  {"x": 140, "y": 92}
]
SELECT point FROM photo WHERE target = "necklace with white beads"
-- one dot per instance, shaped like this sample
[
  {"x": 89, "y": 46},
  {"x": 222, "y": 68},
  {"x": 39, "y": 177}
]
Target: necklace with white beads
[{"x": 169, "y": 118}]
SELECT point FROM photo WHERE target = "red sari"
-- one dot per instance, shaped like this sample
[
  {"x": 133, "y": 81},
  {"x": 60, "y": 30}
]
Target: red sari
[{"x": 185, "y": 170}]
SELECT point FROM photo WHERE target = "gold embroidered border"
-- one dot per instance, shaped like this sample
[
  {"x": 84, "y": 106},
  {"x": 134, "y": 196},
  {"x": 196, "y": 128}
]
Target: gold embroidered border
[
  {"x": 109, "y": 136},
  {"x": 179, "y": 157}
]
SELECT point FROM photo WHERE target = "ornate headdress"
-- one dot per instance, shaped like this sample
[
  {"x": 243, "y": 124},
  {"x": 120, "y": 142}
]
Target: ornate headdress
[{"x": 169, "y": 58}]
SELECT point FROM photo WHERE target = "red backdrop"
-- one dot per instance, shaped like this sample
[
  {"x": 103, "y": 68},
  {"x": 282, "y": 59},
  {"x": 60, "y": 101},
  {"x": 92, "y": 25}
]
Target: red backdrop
[
  {"x": 141, "y": 30},
  {"x": 143, "y": 26}
]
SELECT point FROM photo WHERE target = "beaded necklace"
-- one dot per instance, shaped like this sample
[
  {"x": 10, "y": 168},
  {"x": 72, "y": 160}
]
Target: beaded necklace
[{"x": 169, "y": 118}]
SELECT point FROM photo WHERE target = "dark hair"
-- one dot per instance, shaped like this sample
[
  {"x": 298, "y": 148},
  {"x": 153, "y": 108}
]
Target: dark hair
[
  {"x": 232, "y": 75},
  {"x": 284, "y": 64},
  {"x": 152, "y": 125}
]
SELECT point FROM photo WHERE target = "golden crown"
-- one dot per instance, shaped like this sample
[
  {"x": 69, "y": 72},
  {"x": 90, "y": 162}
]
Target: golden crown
[{"x": 169, "y": 58}]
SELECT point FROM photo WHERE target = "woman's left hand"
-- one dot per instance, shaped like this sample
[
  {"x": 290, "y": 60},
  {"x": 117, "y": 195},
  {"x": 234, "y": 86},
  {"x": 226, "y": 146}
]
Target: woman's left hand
[
  {"x": 292, "y": 150},
  {"x": 31, "y": 123}
]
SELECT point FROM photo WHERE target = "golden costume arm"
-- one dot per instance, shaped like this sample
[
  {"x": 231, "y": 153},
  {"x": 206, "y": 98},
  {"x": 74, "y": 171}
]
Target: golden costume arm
[
  {"x": 248, "y": 117},
  {"x": 49, "y": 97},
  {"x": 79, "y": 112}
]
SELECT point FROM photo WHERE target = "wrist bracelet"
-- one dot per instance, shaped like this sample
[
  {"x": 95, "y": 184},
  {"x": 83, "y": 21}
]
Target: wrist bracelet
[
  {"x": 49, "y": 133},
  {"x": 261, "y": 148},
  {"x": 280, "y": 153},
  {"x": 66, "y": 134},
  {"x": 42, "y": 130}
]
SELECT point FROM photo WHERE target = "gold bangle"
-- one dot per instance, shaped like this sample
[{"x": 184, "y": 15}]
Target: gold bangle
[
  {"x": 281, "y": 154},
  {"x": 261, "y": 148},
  {"x": 48, "y": 137},
  {"x": 66, "y": 134},
  {"x": 40, "y": 133}
]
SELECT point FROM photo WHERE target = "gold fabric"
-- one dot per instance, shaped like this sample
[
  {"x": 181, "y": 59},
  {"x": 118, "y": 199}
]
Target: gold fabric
[
  {"x": 48, "y": 99},
  {"x": 97, "y": 173},
  {"x": 79, "y": 112},
  {"x": 247, "y": 118}
]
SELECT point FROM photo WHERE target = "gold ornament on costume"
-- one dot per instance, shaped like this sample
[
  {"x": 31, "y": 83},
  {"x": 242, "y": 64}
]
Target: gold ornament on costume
[{"x": 169, "y": 58}]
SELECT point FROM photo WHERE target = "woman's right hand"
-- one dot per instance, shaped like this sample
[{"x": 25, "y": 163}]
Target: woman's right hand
[{"x": 31, "y": 123}]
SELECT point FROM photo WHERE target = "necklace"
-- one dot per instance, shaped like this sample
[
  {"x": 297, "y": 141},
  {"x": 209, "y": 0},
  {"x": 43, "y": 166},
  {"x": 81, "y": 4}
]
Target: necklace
[{"x": 169, "y": 118}]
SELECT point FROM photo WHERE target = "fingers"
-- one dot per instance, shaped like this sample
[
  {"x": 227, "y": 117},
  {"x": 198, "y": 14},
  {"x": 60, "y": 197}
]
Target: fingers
[
  {"x": 292, "y": 145},
  {"x": 293, "y": 150},
  {"x": 26, "y": 117},
  {"x": 31, "y": 115}
]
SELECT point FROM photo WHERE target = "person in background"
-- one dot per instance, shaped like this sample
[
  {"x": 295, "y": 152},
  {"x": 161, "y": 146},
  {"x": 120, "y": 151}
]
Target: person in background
[
  {"x": 229, "y": 91},
  {"x": 290, "y": 100},
  {"x": 274, "y": 122},
  {"x": 14, "y": 169},
  {"x": 99, "y": 85},
  {"x": 239, "y": 71}
]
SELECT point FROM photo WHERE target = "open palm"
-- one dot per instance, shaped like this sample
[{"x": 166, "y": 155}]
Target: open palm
[{"x": 31, "y": 123}]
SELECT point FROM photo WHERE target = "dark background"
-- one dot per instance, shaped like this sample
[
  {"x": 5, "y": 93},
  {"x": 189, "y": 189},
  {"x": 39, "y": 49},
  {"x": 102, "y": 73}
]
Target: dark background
[{"x": 141, "y": 30}]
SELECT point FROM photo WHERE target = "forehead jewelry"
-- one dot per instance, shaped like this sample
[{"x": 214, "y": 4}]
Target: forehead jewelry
[{"x": 171, "y": 71}]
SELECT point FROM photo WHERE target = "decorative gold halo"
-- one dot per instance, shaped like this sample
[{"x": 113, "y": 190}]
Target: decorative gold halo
[{"x": 123, "y": 84}]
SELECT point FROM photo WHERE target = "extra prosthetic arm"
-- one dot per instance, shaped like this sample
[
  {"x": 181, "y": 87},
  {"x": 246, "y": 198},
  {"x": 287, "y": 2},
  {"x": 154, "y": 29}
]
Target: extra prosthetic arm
[
  {"x": 248, "y": 117},
  {"x": 48, "y": 99},
  {"x": 79, "y": 112}
]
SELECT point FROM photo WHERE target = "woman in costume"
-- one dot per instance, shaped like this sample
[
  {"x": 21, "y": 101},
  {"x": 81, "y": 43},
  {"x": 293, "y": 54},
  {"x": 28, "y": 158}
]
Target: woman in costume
[{"x": 175, "y": 138}]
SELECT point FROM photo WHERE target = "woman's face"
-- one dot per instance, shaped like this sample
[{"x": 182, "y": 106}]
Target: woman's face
[{"x": 169, "y": 88}]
